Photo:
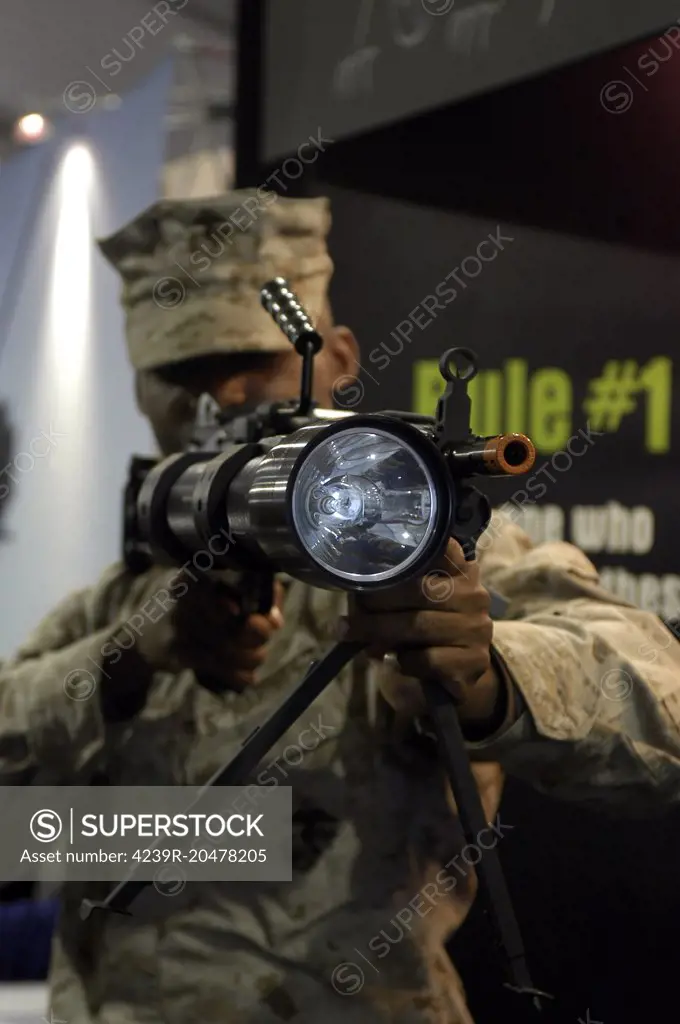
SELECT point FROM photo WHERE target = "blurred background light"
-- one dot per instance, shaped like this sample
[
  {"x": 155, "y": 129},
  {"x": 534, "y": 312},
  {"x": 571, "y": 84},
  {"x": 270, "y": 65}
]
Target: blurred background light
[{"x": 31, "y": 128}]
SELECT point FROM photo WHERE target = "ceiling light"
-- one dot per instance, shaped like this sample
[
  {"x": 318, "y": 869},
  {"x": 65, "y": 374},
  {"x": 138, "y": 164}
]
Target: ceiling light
[{"x": 31, "y": 128}]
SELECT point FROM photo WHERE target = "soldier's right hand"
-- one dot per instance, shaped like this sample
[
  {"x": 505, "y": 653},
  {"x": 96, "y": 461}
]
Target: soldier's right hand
[{"x": 203, "y": 630}]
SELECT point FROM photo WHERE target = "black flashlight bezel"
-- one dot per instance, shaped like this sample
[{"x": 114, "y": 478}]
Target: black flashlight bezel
[{"x": 442, "y": 481}]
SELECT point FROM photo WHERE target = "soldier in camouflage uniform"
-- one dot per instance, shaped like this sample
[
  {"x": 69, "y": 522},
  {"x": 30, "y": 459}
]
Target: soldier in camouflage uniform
[{"x": 379, "y": 878}]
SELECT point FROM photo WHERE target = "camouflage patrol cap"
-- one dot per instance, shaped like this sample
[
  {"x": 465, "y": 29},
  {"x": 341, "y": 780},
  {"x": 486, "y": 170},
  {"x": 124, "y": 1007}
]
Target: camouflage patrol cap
[{"x": 192, "y": 272}]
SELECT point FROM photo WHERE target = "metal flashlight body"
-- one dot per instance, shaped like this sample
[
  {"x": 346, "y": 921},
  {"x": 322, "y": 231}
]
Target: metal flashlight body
[{"x": 365, "y": 502}]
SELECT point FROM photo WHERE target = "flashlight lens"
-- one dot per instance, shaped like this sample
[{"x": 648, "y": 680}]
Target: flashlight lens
[{"x": 364, "y": 505}]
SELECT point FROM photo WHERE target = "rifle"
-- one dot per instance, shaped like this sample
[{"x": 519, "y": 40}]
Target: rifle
[{"x": 339, "y": 500}]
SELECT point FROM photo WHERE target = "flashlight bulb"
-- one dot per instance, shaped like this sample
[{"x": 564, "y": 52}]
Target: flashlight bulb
[{"x": 359, "y": 501}]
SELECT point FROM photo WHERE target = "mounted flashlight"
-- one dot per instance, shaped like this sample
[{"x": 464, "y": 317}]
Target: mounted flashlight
[{"x": 341, "y": 501}]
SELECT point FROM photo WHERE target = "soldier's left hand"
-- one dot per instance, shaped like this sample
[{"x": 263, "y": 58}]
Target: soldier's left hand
[{"x": 438, "y": 627}]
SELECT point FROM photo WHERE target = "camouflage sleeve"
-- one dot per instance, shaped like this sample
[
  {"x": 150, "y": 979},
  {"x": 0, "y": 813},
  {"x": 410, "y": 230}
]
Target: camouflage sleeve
[
  {"x": 51, "y": 727},
  {"x": 599, "y": 686}
]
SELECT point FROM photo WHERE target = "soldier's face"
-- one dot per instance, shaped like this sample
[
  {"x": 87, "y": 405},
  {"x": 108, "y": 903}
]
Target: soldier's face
[
  {"x": 169, "y": 394},
  {"x": 235, "y": 380}
]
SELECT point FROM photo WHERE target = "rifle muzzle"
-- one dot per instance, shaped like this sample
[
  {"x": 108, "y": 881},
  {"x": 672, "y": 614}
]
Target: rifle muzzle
[{"x": 502, "y": 455}]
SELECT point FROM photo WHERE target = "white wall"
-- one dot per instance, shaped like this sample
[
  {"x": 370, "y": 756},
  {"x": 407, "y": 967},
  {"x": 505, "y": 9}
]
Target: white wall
[
  {"x": 199, "y": 175},
  {"x": 63, "y": 366}
]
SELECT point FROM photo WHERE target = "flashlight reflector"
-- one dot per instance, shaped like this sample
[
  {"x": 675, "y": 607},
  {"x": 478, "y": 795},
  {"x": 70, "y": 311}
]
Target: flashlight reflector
[{"x": 364, "y": 505}]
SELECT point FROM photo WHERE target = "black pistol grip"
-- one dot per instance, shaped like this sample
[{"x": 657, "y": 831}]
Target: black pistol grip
[{"x": 257, "y": 597}]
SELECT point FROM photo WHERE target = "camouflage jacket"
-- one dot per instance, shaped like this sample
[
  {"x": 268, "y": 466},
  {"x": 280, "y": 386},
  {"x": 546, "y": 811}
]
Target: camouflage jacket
[{"x": 358, "y": 934}]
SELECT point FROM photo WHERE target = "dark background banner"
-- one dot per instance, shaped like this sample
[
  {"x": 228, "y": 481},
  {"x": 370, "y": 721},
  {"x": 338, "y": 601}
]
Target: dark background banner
[{"x": 349, "y": 65}]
